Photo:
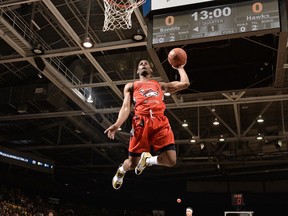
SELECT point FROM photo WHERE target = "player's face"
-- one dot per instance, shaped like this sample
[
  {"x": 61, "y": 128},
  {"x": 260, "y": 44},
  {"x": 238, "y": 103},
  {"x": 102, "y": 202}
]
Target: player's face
[{"x": 144, "y": 68}]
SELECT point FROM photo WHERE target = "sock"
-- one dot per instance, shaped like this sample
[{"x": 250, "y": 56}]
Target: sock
[
  {"x": 122, "y": 169},
  {"x": 152, "y": 161}
]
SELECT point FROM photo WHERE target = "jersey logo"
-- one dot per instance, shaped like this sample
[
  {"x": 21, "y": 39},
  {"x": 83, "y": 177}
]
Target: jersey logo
[{"x": 149, "y": 93}]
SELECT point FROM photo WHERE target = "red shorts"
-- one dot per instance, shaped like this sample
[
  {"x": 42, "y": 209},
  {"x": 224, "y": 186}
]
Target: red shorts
[{"x": 150, "y": 132}]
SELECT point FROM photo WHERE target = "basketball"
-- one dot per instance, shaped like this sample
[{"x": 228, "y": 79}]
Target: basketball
[{"x": 177, "y": 57}]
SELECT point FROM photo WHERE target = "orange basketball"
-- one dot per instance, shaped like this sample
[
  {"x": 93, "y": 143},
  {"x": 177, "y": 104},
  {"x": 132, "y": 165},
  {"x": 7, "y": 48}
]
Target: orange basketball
[{"x": 177, "y": 57}]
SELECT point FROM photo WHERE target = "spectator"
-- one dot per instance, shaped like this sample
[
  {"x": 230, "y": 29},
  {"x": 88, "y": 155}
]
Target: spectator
[{"x": 189, "y": 211}]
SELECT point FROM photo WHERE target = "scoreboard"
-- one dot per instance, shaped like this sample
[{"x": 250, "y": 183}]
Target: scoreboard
[{"x": 222, "y": 21}]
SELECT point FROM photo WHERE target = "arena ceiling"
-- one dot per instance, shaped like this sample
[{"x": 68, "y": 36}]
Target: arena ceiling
[{"x": 234, "y": 80}]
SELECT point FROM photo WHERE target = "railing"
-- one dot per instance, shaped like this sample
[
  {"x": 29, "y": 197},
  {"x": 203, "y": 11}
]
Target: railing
[{"x": 31, "y": 37}]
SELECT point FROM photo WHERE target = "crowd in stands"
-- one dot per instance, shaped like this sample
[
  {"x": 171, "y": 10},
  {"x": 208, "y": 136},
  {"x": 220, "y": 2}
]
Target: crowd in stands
[{"x": 13, "y": 202}]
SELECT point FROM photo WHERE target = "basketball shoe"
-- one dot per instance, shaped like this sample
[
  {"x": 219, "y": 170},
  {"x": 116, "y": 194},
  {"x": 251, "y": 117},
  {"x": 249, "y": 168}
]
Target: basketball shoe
[
  {"x": 117, "y": 180},
  {"x": 142, "y": 163}
]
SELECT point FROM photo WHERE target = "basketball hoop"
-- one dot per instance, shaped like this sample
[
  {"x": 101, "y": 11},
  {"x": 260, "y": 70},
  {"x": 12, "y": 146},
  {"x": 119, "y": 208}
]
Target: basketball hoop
[{"x": 118, "y": 13}]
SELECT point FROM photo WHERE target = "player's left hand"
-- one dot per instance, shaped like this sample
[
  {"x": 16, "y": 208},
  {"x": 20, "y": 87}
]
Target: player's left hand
[{"x": 179, "y": 67}]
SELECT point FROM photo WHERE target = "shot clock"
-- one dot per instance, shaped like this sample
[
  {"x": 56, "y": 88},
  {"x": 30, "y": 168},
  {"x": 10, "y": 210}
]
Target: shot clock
[
  {"x": 223, "y": 20},
  {"x": 237, "y": 199}
]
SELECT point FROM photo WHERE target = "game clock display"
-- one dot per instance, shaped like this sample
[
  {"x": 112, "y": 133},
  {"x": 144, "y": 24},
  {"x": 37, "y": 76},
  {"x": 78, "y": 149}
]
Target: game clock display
[{"x": 242, "y": 17}]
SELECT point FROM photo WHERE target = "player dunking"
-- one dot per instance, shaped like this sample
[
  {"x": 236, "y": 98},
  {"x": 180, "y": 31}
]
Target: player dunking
[{"x": 150, "y": 127}]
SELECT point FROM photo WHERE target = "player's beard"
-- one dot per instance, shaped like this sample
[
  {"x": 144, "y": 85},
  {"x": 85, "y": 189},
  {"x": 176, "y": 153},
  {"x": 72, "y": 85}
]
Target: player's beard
[{"x": 144, "y": 72}]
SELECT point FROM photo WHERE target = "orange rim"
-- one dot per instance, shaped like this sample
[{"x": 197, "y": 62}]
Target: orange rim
[{"x": 124, "y": 5}]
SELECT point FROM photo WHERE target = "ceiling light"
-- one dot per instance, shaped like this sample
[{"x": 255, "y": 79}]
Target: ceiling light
[
  {"x": 202, "y": 146},
  {"x": 185, "y": 124},
  {"x": 22, "y": 108},
  {"x": 90, "y": 99},
  {"x": 139, "y": 36},
  {"x": 216, "y": 122},
  {"x": 260, "y": 119},
  {"x": 221, "y": 139},
  {"x": 167, "y": 94},
  {"x": 77, "y": 131},
  {"x": 193, "y": 140},
  {"x": 119, "y": 129},
  {"x": 38, "y": 50},
  {"x": 39, "y": 75},
  {"x": 279, "y": 144},
  {"x": 87, "y": 43},
  {"x": 259, "y": 136}
]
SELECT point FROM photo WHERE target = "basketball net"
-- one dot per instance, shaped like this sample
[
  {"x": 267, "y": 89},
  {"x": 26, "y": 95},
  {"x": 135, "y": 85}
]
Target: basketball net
[{"x": 118, "y": 13}]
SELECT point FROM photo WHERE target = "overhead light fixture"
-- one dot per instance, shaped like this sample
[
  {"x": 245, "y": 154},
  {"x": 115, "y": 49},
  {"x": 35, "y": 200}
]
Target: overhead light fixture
[
  {"x": 76, "y": 130},
  {"x": 139, "y": 36},
  {"x": 39, "y": 75},
  {"x": 193, "y": 139},
  {"x": 185, "y": 124},
  {"x": 38, "y": 50},
  {"x": 87, "y": 43},
  {"x": 279, "y": 144},
  {"x": 202, "y": 146},
  {"x": 221, "y": 138},
  {"x": 260, "y": 119},
  {"x": 22, "y": 108},
  {"x": 119, "y": 129},
  {"x": 216, "y": 122},
  {"x": 259, "y": 137},
  {"x": 167, "y": 94},
  {"x": 90, "y": 99}
]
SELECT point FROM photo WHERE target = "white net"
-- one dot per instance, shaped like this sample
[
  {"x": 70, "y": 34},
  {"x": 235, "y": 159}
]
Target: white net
[{"x": 118, "y": 13}]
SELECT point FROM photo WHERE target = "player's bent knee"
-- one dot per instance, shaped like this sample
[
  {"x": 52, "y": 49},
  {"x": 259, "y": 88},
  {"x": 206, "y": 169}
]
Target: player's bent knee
[{"x": 171, "y": 162}]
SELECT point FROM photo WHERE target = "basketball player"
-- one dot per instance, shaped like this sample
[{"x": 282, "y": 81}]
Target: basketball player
[{"x": 150, "y": 127}]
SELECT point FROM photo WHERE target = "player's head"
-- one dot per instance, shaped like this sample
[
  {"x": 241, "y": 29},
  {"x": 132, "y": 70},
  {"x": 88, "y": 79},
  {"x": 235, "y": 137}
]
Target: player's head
[
  {"x": 189, "y": 211},
  {"x": 144, "y": 68}
]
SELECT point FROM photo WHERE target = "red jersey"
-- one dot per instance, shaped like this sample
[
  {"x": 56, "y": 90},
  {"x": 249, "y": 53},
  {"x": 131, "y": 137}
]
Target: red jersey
[{"x": 148, "y": 97}]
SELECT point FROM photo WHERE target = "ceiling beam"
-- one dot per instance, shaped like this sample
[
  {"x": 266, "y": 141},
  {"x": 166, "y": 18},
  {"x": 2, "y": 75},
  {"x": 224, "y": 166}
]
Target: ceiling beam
[
  {"x": 75, "y": 51},
  {"x": 183, "y": 105},
  {"x": 76, "y": 38},
  {"x": 71, "y": 146},
  {"x": 10, "y": 3},
  {"x": 281, "y": 60}
]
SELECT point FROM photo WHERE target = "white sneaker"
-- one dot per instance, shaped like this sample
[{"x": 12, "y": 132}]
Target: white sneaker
[
  {"x": 142, "y": 163},
  {"x": 117, "y": 180}
]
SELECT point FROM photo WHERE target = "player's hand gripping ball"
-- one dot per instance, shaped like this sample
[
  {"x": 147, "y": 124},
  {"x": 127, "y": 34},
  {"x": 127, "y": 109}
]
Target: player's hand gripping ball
[{"x": 177, "y": 57}]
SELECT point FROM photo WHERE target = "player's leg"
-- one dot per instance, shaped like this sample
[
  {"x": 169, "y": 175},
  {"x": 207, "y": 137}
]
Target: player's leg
[
  {"x": 138, "y": 143},
  {"x": 129, "y": 164},
  {"x": 166, "y": 158},
  {"x": 162, "y": 141}
]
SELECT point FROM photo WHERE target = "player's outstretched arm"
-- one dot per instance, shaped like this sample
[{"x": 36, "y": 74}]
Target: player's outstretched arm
[
  {"x": 175, "y": 86},
  {"x": 124, "y": 113}
]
